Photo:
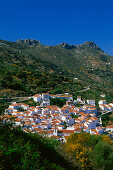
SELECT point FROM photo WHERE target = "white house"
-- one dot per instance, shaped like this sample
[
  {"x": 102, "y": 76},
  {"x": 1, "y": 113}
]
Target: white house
[
  {"x": 45, "y": 96},
  {"x": 110, "y": 107},
  {"x": 102, "y": 95},
  {"x": 102, "y": 102},
  {"x": 14, "y": 105},
  {"x": 18, "y": 122},
  {"x": 91, "y": 123},
  {"x": 45, "y": 103},
  {"x": 94, "y": 132},
  {"x": 32, "y": 112},
  {"x": 64, "y": 132},
  {"x": 111, "y": 104},
  {"x": 10, "y": 110},
  {"x": 64, "y": 118},
  {"x": 24, "y": 106},
  {"x": 104, "y": 107},
  {"x": 100, "y": 130},
  {"x": 82, "y": 101},
  {"x": 67, "y": 97},
  {"x": 109, "y": 128},
  {"x": 55, "y": 132},
  {"x": 91, "y": 102},
  {"x": 69, "y": 103},
  {"x": 64, "y": 110},
  {"x": 38, "y": 110},
  {"x": 77, "y": 130},
  {"x": 78, "y": 98},
  {"x": 70, "y": 121},
  {"x": 37, "y": 97}
]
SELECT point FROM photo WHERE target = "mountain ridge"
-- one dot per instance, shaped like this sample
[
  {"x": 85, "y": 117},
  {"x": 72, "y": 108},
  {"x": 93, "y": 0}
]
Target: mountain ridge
[
  {"x": 86, "y": 61},
  {"x": 37, "y": 43},
  {"x": 30, "y": 42},
  {"x": 33, "y": 42},
  {"x": 88, "y": 44}
]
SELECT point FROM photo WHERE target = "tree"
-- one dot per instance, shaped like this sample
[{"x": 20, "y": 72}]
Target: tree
[
  {"x": 107, "y": 139},
  {"x": 104, "y": 156},
  {"x": 75, "y": 148},
  {"x": 58, "y": 102}
]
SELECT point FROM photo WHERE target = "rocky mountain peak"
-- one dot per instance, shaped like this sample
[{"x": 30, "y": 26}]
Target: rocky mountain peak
[
  {"x": 87, "y": 44},
  {"x": 65, "y": 45},
  {"x": 91, "y": 44},
  {"x": 30, "y": 42}
]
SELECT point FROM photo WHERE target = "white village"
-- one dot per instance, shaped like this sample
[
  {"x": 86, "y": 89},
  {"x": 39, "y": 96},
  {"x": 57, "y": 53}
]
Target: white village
[{"x": 59, "y": 123}]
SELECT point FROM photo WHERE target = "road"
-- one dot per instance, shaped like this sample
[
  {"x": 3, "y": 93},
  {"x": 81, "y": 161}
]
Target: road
[
  {"x": 88, "y": 88},
  {"x": 16, "y": 98},
  {"x": 104, "y": 113},
  {"x": 27, "y": 98}
]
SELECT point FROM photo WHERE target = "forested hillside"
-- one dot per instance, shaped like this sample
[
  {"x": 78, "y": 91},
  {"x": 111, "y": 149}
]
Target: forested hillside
[
  {"x": 19, "y": 150},
  {"x": 28, "y": 67},
  {"x": 23, "y": 74}
]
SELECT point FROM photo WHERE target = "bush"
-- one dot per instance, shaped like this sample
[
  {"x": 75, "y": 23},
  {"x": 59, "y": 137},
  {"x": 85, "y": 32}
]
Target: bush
[
  {"x": 103, "y": 156},
  {"x": 58, "y": 102}
]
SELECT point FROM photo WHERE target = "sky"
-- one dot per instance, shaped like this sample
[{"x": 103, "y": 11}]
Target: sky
[{"x": 55, "y": 21}]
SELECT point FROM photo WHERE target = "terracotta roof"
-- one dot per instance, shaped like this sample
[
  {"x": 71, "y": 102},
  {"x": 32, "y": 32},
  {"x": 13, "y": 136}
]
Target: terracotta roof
[
  {"x": 66, "y": 96},
  {"x": 56, "y": 137},
  {"x": 67, "y": 131},
  {"x": 27, "y": 123},
  {"x": 110, "y": 105},
  {"x": 23, "y": 104},
  {"x": 110, "y": 126},
  {"x": 100, "y": 128},
  {"x": 45, "y": 93},
  {"x": 77, "y": 129},
  {"x": 37, "y": 95},
  {"x": 35, "y": 125}
]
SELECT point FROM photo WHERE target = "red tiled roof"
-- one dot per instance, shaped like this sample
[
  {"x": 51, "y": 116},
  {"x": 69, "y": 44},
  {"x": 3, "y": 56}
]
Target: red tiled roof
[
  {"x": 110, "y": 126},
  {"x": 67, "y": 131}
]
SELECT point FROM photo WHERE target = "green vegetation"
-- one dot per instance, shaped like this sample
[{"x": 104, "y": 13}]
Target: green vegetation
[
  {"x": 3, "y": 106},
  {"x": 19, "y": 150},
  {"x": 74, "y": 116},
  {"x": 29, "y": 67},
  {"x": 106, "y": 119},
  {"x": 21, "y": 109},
  {"x": 65, "y": 125},
  {"x": 104, "y": 155},
  {"x": 90, "y": 151},
  {"x": 31, "y": 102},
  {"x": 24, "y": 74},
  {"x": 57, "y": 101}
]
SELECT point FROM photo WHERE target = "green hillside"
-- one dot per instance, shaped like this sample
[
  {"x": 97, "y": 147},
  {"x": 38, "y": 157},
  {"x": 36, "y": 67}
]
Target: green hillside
[
  {"x": 28, "y": 67},
  {"x": 24, "y": 74},
  {"x": 86, "y": 62},
  {"x": 20, "y": 150}
]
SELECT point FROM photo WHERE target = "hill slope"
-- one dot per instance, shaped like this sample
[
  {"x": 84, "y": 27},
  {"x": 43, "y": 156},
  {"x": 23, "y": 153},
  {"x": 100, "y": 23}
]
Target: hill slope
[
  {"x": 25, "y": 74},
  {"x": 86, "y": 61},
  {"x": 59, "y": 64}
]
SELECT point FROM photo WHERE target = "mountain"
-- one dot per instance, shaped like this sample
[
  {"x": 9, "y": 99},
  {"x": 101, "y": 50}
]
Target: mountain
[
  {"x": 29, "y": 42},
  {"x": 54, "y": 68},
  {"x": 25, "y": 74},
  {"x": 87, "y": 44},
  {"x": 86, "y": 61}
]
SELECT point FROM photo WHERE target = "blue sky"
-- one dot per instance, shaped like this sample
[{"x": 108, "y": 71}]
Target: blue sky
[{"x": 56, "y": 21}]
